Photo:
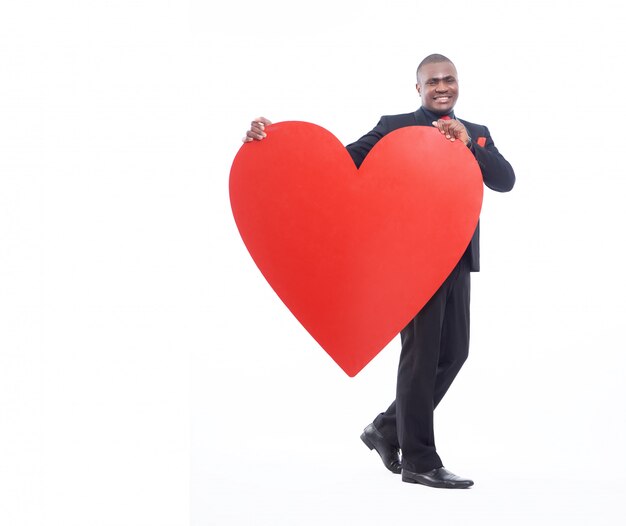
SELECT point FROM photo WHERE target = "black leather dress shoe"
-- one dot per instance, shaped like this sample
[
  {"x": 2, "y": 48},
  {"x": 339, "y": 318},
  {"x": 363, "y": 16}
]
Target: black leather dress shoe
[
  {"x": 390, "y": 454},
  {"x": 437, "y": 478}
]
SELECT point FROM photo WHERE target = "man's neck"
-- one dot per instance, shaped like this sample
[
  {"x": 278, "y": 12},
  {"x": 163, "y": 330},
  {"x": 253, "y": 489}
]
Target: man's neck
[{"x": 435, "y": 116}]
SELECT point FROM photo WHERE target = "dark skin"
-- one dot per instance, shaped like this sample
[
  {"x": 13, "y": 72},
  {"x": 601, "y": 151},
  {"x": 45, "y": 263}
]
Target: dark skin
[
  {"x": 257, "y": 130},
  {"x": 438, "y": 88}
]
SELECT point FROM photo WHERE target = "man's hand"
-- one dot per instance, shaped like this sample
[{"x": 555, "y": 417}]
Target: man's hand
[
  {"x": 453, "y": 130},
  {"x": 257, "y": 130}
]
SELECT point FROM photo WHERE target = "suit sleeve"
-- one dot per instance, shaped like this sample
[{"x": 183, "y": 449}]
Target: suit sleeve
[
  {"x": 497, "y": 172},
  {"x": 359, "y": 149}
]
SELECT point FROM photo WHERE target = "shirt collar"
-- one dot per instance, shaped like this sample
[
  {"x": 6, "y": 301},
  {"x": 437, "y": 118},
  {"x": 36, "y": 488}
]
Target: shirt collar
[{"x": 431, "y": 116}]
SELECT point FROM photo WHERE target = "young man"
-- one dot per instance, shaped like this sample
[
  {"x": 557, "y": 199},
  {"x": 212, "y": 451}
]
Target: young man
[{"x": 435, "y": 343}]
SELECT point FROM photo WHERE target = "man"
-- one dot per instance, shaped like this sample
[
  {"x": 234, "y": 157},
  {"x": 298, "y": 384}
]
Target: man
[{"x": 435, "y": 343}]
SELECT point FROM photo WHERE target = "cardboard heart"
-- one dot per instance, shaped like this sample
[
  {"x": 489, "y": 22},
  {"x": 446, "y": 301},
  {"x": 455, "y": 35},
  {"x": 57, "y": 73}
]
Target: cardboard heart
[{"x": 355, "y": 254}]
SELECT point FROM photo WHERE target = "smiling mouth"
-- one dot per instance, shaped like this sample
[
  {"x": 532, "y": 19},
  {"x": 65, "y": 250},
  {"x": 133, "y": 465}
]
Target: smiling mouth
[{"x": 444, "y": 98}]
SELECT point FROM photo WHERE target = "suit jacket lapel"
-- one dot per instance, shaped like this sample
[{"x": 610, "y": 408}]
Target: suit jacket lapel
[{"x": 421, "y": 119}]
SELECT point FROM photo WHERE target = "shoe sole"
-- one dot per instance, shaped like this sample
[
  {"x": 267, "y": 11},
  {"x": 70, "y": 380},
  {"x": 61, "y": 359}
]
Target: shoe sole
[{"x": 440, "y": 486}]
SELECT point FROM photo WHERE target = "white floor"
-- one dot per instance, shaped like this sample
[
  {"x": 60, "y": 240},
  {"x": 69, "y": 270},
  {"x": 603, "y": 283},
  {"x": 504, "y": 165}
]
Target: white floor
[
  {"x": 363, "y": 493},
  {"x": 285, "y": 450}
]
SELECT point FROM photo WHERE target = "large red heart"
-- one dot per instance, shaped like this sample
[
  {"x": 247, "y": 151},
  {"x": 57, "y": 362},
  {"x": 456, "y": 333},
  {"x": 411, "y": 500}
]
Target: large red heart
[{"x": 355, "y": 254}]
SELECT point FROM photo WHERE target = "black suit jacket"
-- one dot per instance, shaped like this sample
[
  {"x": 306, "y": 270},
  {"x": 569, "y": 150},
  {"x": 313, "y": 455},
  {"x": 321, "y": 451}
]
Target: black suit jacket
[{"x": 497, "y": 172}]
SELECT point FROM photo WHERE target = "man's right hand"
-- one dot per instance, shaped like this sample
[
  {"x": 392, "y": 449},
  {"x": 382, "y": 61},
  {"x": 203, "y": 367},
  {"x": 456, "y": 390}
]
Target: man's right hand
[{"x": 257, "y": 130}]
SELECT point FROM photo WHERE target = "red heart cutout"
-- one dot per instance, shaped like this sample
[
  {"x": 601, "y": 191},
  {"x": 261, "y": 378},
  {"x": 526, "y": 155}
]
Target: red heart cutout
[{"x": 355, "y": 254}]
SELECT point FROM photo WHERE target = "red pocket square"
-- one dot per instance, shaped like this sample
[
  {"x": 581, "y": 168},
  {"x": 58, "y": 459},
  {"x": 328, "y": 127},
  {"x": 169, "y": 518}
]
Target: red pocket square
[{"x": 481, "y": 141}]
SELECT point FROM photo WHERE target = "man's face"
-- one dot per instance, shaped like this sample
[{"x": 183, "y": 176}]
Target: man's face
[{"x": 438, "y": 87}]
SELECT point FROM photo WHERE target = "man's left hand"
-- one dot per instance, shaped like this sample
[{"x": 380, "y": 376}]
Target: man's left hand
[{"x": 453, "y": 130}]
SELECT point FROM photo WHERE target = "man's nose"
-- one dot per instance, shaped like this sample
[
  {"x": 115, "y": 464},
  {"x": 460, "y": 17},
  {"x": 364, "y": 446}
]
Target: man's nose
[{"x": 441, "y": 86}]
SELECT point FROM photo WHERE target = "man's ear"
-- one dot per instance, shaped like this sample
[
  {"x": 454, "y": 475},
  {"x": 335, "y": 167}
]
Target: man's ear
[{"x": 418, "y": 87}]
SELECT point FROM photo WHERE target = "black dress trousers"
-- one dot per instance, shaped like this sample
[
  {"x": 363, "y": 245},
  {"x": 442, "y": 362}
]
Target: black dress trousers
[{"x": 435, "y": 345}]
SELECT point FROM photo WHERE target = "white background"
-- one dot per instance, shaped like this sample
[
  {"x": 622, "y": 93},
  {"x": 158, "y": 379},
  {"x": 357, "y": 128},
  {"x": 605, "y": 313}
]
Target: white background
[{"x": 149, "y": 375}]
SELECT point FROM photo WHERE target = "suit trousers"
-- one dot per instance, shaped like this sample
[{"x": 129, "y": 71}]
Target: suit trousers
[{"x": 435, "y": 344}]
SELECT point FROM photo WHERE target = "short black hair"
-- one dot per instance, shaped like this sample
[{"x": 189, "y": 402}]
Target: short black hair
[{"x": 431, "y": 59}]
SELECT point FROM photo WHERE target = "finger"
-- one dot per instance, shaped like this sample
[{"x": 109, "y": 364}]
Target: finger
[
  {"x": 258, "y": 128},
  {"x": 457, "y": 129},
  {"x": 454, "y": 130},
  {"x": 252, "y": 135},
  {"x": 439, "y": 125},
  {"x": 263, "y": 120},
  {"x": 445, "y": 127},
  {"x": 460, "y": 132}
]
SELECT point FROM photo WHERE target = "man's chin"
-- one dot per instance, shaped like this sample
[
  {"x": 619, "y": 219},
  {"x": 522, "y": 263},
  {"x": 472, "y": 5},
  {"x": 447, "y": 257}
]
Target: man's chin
[{"x": 441, "y": 109}]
